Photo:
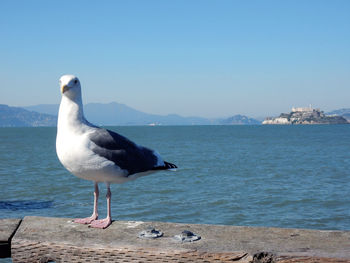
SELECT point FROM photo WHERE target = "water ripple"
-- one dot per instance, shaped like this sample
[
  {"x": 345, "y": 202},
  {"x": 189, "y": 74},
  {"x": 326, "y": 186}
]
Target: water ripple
[{"x": 290, "y": 176}]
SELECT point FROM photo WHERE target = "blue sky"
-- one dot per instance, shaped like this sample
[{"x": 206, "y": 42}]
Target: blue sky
[{"x": 202, "y": 58}]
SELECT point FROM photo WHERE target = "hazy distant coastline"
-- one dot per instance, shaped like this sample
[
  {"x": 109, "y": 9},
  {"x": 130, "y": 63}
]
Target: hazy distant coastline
[
  {"x": 118, "y": 114},
  {"x": 107, "y": 114}
]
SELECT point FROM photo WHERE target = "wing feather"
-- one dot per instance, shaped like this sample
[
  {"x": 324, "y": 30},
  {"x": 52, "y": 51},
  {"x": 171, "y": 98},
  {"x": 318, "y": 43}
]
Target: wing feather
[{"x": 123, "y": 152}]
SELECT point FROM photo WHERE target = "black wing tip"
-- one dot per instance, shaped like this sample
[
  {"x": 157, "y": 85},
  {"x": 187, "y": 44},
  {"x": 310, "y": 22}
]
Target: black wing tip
[
  {"x": 169, "y": 165},
  {"x": 166, "y": 166}
]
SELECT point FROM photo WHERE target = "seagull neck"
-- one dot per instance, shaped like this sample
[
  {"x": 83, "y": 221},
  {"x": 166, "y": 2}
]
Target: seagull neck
[{"x": 71, "y": 111}]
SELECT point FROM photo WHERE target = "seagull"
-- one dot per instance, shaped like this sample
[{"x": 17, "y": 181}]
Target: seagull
[{"x": 96, "y": 154}]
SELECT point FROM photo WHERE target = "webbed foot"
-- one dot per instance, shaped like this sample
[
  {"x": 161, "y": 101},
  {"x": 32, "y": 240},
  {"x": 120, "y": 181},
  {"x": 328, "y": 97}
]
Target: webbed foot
[
  {"x": 86, "y": 220},
  {"x": 102, "y": 223}
]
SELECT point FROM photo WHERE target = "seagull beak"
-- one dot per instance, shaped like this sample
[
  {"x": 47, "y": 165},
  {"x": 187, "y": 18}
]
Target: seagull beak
[{"x": 64, "y": 88}]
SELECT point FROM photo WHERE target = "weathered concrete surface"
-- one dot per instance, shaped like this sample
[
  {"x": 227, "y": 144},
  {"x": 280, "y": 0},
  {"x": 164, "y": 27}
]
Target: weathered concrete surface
[
  {"x": 7, "y": 230},
  {"x": 41, "y": 239}
]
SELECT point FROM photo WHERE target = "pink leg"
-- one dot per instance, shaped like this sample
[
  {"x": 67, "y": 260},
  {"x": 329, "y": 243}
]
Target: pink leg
[
  {"x": 104, "y": 223},
  {"x": 94, "y": 215}
]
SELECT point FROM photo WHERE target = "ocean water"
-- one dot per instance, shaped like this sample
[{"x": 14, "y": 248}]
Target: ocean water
[{"x": 281, "y": 176}]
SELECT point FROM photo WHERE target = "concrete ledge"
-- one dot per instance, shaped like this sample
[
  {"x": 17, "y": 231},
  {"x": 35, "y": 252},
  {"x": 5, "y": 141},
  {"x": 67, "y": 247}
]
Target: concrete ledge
[
  {"x": 7, "y": 230},
  {"x": 42, "y": 239}
]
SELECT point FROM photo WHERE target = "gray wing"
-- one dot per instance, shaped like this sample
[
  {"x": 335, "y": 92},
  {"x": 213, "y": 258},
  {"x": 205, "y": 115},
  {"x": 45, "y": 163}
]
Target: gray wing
[{"x": 124, "y": 153}]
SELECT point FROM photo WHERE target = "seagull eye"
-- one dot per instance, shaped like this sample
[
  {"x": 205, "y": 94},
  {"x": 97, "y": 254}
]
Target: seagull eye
[{"x": 75, "y": 81}]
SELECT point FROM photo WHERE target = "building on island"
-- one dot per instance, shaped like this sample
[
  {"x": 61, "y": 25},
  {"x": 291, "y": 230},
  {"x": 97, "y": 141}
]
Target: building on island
[
  {"x": 306, "y": 115},
  {"x": 303, "y": 109}
]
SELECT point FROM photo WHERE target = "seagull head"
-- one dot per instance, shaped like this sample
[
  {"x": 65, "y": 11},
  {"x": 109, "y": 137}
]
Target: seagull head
[{"x": 70, "y": 86}]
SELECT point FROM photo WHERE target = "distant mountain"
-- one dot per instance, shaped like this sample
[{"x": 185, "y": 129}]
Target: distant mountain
[
  {"x": 240, "y": 120},
  {"x": 339, "y": 112},
  {"x": 342, "y": 112},
  {"x": 51, "y": 109},
  {"x": 19, "y": 117},
  {"x": 120, "y": 114}
]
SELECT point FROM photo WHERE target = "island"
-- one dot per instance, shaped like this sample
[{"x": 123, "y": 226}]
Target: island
[{"x": 306, "y": 115}]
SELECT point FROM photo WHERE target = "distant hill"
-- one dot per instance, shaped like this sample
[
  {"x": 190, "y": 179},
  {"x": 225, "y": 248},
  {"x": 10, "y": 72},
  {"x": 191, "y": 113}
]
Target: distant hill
[
  {"x": 51, "y": 109},
  {"x": 339, "y": 112},
  {"x": 120, "y": 114},
  {"x": 240, "y": 120},
  {"x": 19, "y": 117},
  {"x": 342, "y": 112}
]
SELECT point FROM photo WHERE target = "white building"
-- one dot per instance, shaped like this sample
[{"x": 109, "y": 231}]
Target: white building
[{"x": 302, "y": 109}]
